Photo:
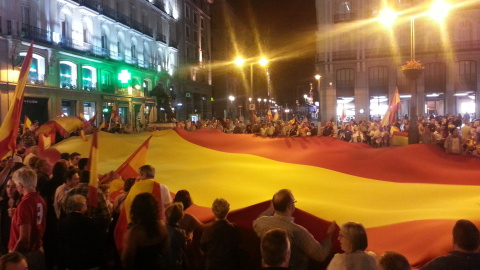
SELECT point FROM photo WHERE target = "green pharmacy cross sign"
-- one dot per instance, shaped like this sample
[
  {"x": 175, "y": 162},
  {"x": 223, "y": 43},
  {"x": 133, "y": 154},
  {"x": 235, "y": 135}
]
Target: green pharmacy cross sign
[{"x": 124, "y": 76}]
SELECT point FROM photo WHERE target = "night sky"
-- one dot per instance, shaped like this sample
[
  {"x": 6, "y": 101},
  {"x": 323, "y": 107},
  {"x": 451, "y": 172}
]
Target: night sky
[{"x": 288, "y": 28}]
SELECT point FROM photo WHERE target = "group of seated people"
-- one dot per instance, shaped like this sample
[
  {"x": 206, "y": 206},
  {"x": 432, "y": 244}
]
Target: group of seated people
[{"x": 50, "y": 225}]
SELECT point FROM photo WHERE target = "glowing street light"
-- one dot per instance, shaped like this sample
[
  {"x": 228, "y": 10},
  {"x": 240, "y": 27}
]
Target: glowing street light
[
  {"x": 239, "y": 61},
  {"x": 263, "y": 61},
  {"x": 231, "y": 98},
  {"x": 387, "y": 17},
  {"x": 317, "y": 77},
  {"x": 265, "y": 100},
  {"x": 250, "y": 99},
  {"x": 259, "y": 99},
  {"x": 439, "y": 10}
]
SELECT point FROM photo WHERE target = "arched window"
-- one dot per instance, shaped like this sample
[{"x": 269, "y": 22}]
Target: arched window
[
  {"x": 146, "y": 55},
  {"x": 105, "y": 42},
  {"x": 89, "y": 78},
  {"x": 68, "y": 75},
  {"x": 37, "y": 68}
]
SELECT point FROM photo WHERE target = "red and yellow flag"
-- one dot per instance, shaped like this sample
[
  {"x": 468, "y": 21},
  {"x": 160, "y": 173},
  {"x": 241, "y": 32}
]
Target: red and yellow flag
[
  {"x": 102, "y": 125},
  {"x": 291, "y": 122},
  {"x": 269, "y": 114},
  {"x": 276, "y": 116},
  {"x": 395, "y": 104},
  {"x": 344, "y": 114},
  {"x": 92, "y": 120},
  {"x": 130, "y": 167},
  {"x": 9, "y": 128},
  {"x": 255, "y": 118},
  {"x": 27, "y": 123},
  {"x": 92, "y": 199},
  {"x": 46, "y": 140},
  {"x": 82, "y": 135}
]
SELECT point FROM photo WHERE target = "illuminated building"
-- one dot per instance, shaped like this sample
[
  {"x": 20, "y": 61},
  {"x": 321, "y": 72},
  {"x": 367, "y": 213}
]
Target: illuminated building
[
  {"x": 360, "y": 60},
  {"x": 92, "y": 54}
]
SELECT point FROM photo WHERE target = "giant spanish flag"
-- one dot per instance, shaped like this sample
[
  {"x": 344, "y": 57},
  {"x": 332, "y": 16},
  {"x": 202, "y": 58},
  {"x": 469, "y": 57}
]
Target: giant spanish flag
[
  {"x": 139, "y": 158},
  {"x": 92, "y": 166},
  {"x": 63, "y": 125},
  {"x": 408, "y": 198},
  {"x": 389, "y": 117},
  {"x": 9, "y": 128}
]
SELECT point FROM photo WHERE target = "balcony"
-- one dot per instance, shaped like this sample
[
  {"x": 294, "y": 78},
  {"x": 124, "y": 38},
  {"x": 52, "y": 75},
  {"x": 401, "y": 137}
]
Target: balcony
[
  {"x": 161, "y": 38},
  {"x": 36, "y": 34},
  {"x": 122, "y": 18},
  {"x": 173, "y": 44},
  {"x": 344, "y": 55},
  {"x": 345, "y": 17}
]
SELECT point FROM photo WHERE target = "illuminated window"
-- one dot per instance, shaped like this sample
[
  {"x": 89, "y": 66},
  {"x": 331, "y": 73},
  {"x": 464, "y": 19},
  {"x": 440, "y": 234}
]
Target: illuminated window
[
  {"x": 37, "y": 68},
  {"x": 89, "y": 78},
  {"x": 68, "y": 75}
]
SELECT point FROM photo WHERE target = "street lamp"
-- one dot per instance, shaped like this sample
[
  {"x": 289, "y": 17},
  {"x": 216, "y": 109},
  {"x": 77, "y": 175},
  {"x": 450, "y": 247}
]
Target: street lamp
[
  {"x": 232, "y": 98},
  {"x": 438, "y": 11},
  {"x": 318, "y": 77}
]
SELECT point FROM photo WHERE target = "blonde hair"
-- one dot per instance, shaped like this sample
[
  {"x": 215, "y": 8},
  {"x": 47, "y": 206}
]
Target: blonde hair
[{"x": 220, "y": 208}]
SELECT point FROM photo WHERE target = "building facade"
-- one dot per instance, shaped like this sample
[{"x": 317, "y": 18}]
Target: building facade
[
  {"x": 90, "y": 56},
  {"x": 360, "y": 60},
  {"x": 194, "y": 99}
]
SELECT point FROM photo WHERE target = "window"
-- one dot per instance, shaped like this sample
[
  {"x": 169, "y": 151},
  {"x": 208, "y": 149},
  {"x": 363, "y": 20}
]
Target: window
[
  {"x": 106, "y": 78},
  {"x": 26, "y": 15},
  {"x": 68, "y": 75},
  {"x": 187, "y": 31},
  {"x": 9, "y": 27},
  {"x": 133, "y": 51},
  {"x": 89, "y": 78},
  {"x": 37, "y": 68},
  {"x": 195, "y": 17},
  {"x": 435, "y": 77},
  {"x": 187, "y": 11},
  {"x": 64, "y": 28},
  {"x": 466, "y": 76},
  {"x": 1, "y": 25},
  {"x": 195, "y": 35},
  {"x": 345, "y": 82},
  {"x": 87, "y": 38},
  {"x": 202, "y": 23},
  {"x": 378, "y": 81},
  {"x": 464, "y": 31},
  {"x": 104, "y": 41}
]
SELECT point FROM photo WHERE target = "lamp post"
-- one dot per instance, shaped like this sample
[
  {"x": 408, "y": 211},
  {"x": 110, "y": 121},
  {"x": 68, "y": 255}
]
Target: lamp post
[
  {"x": 318, "y": 77},
  {"x": 438, "y": 11},
  {"x": 240, "y": 61},
  {"x": 232, "y": 98}
]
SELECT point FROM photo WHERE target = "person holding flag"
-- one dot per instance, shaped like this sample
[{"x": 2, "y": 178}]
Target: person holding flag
[
  {"x": 27, "y": 123},
  {"x": 393, "y": 107},
  {"x": 269, "y": 114}
]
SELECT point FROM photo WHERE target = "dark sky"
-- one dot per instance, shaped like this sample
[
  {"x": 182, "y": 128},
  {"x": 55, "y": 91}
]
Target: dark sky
[{"x": 288, "y": 29}]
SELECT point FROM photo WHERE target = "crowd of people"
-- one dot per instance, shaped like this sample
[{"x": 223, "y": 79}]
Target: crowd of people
[
  {"x": 451, "y": 132},
  {"x": 53, "y": 227},
  {"x": 45, "y": 220}
]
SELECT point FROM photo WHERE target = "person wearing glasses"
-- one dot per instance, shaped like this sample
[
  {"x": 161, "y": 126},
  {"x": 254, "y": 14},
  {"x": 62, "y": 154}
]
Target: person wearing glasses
[{"x": 303, "y": 244}]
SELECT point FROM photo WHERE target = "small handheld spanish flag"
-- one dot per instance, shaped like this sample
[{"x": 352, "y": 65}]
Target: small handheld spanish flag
[
  {"x": 27, "y": 123},
  {"x": 269, "y": 114},
  {"x": 255, "y": 118}
]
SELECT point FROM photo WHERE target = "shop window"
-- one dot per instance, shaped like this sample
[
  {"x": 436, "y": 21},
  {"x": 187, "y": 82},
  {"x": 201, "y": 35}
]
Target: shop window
[
  {"x": 378, "y": 81},
  {"x": 37, "y": 68},
  {"x": 68, "y": 75},
  {"x": 465, "y": 76},
  {"x": 89, "y": 78}
]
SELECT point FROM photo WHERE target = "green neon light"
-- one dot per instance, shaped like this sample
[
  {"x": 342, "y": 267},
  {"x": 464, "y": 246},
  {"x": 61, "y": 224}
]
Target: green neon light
[{"x": 124, "y": 76}]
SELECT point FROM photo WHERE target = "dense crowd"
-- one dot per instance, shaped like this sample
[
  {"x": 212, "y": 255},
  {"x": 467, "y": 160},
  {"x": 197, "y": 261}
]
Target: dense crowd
[
  {"x": 45, "y": 220},
  {"x": 456, "y": 135},
  {"x": 47, "y": 224}
]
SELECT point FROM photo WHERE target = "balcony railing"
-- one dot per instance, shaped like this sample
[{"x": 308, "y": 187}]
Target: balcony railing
[
  {"x": 109, "y": 12},
  {"x": 344, "y": 17},
  {"x": 36, "y": 34},
  {"x": 122, "y": 18},
  {"x": 173, "y": 44},
  {"x": 161, "y": 38},
  {"x": 344, "y": 55}
]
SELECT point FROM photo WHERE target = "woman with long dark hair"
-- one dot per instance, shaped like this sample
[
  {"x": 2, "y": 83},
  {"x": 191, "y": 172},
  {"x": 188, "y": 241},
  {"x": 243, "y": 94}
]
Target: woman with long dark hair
[
  {"x": 10, "y": 198},
  {"x": 146, "y": 238}
]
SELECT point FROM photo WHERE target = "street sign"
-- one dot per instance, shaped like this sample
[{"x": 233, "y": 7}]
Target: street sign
[{"x": 251, "y": 107}]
